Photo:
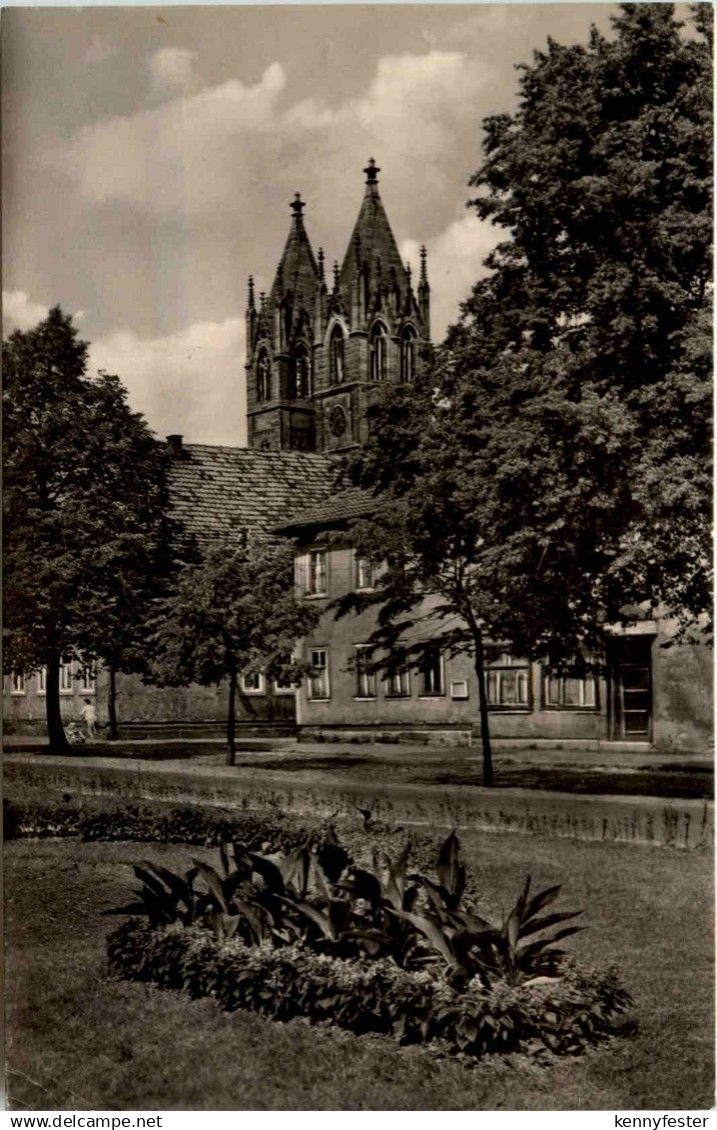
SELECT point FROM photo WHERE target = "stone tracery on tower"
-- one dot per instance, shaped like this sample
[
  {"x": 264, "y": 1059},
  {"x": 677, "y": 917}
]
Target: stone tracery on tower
[{"x": 316, "y": 354}]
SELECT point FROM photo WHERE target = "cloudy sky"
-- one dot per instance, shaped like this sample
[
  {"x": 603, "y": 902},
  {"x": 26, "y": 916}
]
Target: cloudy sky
[{"x": 150, "y": 154}]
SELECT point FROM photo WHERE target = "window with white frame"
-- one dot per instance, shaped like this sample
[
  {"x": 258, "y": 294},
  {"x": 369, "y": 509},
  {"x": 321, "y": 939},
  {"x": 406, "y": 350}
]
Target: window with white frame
[
  {"x": 398, "y": 683},
  {"x": 569, "y": 692},
  {"x": 319, "y": 685},
  {"x": 508, "y": 681},
  {"x": 431, "y": 670},
  {"x": 316, "y": 573},
  {"x": 41, "y": 682},
  {"x": 88, "y": 678},
  {"x": 364, "y": 573},
  {"x": 365, "y": 677},
  {"x": 67, "y": 684},
  {"x": 252, "y": 682},
  {"x": 17, "y": 683}
]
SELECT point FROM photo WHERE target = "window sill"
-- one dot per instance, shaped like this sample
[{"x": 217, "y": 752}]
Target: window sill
[
  {"x": 66, "y": 692},
  {"x": 433, "y": 694},
  {"x": 517, "y": 709},
  {"x": 18, "y": 694},
  {"x": 571, "y": 709},
  {"x": 326, "y": 699},
  {"x": 393, "y": 697},
  {"x": 364, "y": 698},
  {"x": 315, "y": 595}
]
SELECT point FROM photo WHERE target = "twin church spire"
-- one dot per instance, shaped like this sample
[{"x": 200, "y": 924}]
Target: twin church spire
[{"x": 318, "y": 349}]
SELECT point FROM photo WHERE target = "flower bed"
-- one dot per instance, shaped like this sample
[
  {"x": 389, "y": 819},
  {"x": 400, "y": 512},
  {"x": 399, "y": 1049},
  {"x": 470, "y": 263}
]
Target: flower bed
[
  {"x": 309, "y": 933},
  {"x": 563, "y": 1016}
]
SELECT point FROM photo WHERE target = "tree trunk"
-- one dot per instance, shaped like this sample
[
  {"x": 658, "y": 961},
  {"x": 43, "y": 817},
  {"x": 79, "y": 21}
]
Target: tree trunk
[
  {"x": 57, "y": 741},
  {"x": 483, "y": 704},
  {"x": 112, "y": 731},
  {"x": 232, "y": 716}
]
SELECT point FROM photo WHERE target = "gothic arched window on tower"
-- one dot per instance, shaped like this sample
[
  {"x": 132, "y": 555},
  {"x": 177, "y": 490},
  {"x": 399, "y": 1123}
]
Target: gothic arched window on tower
[
  {"x": 336, "y": 356},
  {"x": 263, "y": 376},
  {"x": 300, "y": 374},
  {"x": 408, "y": 354},
  {"x": 379, "y": 351}
]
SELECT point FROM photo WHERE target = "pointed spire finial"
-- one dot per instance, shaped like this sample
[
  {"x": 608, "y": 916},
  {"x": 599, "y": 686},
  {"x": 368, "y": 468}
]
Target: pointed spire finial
[
  {"x": 424, "y": 254},
  {"x": 372, "y": 170},
  {"x": 321, "y": 264},
  {"x": 297, "y": 206},
  {"x": 250, "y": 299},
  {"x": 336, "y": 275}
]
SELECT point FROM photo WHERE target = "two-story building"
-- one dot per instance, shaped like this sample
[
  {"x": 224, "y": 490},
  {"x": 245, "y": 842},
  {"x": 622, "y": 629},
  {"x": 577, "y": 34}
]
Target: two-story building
[{"x": 648, "y": 694}]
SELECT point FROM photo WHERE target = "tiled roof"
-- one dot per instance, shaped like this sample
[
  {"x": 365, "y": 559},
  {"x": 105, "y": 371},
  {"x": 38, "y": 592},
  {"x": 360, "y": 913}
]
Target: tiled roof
[
  {"x": 344, "y": 507},
  {"x": 225, "y": 492}
]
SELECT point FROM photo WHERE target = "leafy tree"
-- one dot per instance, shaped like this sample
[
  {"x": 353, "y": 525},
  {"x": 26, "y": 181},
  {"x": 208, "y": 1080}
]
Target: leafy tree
[
  {"x": 554, "y": 467},
  {"x": 233, "y": 612},
  {"x": 85, "y": 511}
]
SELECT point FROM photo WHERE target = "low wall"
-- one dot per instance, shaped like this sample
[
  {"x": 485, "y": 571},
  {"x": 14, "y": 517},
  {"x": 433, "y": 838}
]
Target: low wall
[{"x": 641, "y": 820}]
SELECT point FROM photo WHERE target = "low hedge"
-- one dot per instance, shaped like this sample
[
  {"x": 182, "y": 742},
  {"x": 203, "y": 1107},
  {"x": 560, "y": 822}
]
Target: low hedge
[
  {"x": 563, "y": 1016},
  {"x": 195, "y": 825},
  {"x": 186, "y": 825}
]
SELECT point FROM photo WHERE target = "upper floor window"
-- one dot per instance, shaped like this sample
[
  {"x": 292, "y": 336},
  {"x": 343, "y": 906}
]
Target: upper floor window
[
  {"x": 408, "y": 354},
  {"x": 41, "y": 680},
  {"x": 17, "y": 683},
  {"x": 431, "y": 670},
  {"x": 565, "y": 691},
  {"x": 263, "y": 377},
  {"x": 378, "y": 345},
  {"x": 300, "y": 374},
  {"x": 364, "y": 573},
  {"x": 66, "y": 683},
  {"x": 316, "y": 573},
  {"x": 508, "y": 681},
  {"x": 336, "y": 356}
]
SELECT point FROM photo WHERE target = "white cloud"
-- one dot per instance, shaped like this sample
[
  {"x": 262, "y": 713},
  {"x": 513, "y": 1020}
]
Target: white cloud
[
  {"x": 230, "y": 142},
  {"x": 191, "y": 379},
  {"x": 173, "y": 66},
  {"x": 19, "y": 312},
  {"x": 455, "y": 259}
]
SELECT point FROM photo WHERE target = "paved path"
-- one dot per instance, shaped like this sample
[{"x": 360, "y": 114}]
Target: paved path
[{"x": 256, "y": 750}]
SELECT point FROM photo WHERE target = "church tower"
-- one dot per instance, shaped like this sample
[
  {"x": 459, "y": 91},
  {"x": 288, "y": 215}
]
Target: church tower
[
  {"x": 280, "y": 343},
  {"x": 317, "y": 352}
]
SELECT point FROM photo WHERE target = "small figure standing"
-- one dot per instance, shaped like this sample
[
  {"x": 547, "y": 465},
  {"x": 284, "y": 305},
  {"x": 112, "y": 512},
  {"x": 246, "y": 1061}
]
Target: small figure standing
[{"x": 89, "y": 717}]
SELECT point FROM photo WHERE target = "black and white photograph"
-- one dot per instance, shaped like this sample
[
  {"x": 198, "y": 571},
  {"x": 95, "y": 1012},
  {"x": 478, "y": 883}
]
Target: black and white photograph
[{"x": 357, "y": 560}]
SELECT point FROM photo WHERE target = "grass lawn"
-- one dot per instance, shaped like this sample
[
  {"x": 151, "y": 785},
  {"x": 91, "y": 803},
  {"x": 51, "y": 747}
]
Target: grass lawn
[{"x": 76, "y": 1039}]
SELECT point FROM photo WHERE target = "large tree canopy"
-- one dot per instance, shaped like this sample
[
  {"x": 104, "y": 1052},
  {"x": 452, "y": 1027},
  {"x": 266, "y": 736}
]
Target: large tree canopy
[
  {"x": 603, "y": 183},
  {"x": 86, "y": 532},
  {"x": 554, "y": 467}
]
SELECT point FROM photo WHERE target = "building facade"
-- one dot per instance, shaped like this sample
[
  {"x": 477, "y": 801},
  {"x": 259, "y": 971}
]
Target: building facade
[{"x": 649, "y": 693}]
